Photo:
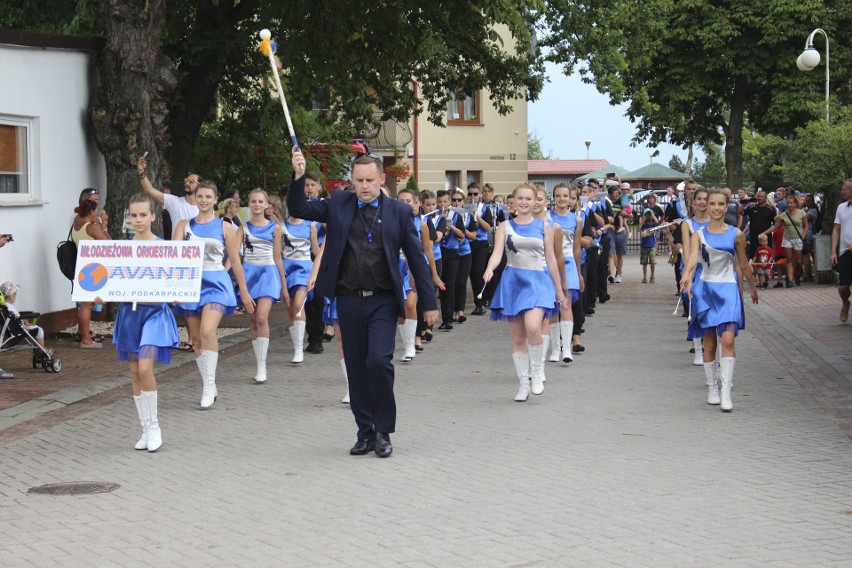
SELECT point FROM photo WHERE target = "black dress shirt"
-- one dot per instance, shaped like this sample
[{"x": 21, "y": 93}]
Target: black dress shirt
[{"x": 364, "y": 265}]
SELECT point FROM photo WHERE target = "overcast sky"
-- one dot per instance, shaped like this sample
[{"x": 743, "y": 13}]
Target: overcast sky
[{"x": 569, "y": 112}]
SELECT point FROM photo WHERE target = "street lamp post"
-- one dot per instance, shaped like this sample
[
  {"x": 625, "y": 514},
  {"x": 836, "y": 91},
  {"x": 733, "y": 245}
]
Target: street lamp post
[
  {"x": 588, "y": 144},
  {"x": 809, "y": 59}
]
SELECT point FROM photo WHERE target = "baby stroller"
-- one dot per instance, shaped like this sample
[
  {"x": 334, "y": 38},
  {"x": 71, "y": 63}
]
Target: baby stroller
[{"x": 14, "y": 337}]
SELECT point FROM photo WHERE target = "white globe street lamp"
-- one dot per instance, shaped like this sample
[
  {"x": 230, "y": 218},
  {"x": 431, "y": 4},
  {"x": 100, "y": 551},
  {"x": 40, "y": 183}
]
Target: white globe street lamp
[
  {"x": 810, "y": 58},
  {"x": 588, "y": 144}
]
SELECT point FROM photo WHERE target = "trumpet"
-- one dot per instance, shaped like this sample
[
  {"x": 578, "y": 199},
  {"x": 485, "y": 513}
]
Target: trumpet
[{"x": 647, "y": 232}]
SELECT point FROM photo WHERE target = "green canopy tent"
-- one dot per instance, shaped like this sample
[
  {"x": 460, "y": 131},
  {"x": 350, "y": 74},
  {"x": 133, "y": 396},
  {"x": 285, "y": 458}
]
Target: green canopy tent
[{"x": 600, "y": 173}]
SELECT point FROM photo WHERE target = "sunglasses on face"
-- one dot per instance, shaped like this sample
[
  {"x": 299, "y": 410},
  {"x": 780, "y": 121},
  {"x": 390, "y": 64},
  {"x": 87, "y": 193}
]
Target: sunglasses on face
[
  {"x": 91, "y": 191},
  {"x": 457, "y": 199},
  {"x": 472, "y": 194}
]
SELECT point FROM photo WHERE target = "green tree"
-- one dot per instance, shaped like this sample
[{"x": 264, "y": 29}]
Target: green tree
[
  {"x": 820, "y": 158},
  {"x": 166, "y": 65},
  {"x": 763, "y": 158},
  {"x": 534, "y": 149},
  {"x": 693, "y": 71},
  {"x": 710, "y": 172},
  {"x": 677, "y": 164},
  {"x": 412, "y": 184}
]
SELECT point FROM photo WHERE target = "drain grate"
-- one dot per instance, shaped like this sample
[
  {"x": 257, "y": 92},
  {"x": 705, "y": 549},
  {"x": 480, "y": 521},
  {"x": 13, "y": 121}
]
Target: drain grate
[{"x": 74, "y": 488}]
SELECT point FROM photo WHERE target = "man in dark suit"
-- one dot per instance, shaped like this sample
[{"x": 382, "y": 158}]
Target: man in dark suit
[{"x": 364, "y": 233}]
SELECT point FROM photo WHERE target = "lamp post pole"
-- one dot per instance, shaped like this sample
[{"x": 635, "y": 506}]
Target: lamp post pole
[{"x": 809, "y": 59}]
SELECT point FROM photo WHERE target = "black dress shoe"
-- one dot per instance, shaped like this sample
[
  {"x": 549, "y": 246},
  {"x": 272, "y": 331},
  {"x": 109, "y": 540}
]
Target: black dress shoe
[
  {"x": 446, "y": 326},
  {"x": 578, "y": 349},
  {"x": 383, "y": 445},
  {"x": 314, "y": 348},
  {"x": 590, "y": 312},
  {"x": 327, "y": 336},
  {"x": 460, "y": 319},
  {"x": 427, "y": 336},
  {"x": 479, "y": 311},
  {"x": 362, "y": 447},
  {"x": 418, "y": 348}
]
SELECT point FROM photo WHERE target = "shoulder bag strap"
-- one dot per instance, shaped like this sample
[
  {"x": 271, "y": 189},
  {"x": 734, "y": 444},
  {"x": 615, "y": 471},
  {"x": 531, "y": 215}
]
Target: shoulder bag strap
[{"x": 794, "y": 224}]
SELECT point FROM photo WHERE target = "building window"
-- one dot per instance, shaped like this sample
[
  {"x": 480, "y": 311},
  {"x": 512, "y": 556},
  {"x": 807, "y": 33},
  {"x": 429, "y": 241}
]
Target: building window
[
  {"x": 452, "y": 179},
  {"x": 17, "y": 160},
  {"x": 474, "y": 177},
  {"x": 463, "y": 110}
]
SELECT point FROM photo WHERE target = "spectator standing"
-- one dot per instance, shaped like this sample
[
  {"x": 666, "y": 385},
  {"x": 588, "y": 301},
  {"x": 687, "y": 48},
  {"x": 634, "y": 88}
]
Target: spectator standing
[
  {"x": 86, "y": 227},
  {"x": 813, "y": 228},
  {"x": 179, "y": 208},
  {"x": 649, "y": 245},
  {"x": 734, "y": 214},
  {"x": 760, "y": 216},
  {"x": 841, "y": 237},
  {"x": 795, "y": 224}
]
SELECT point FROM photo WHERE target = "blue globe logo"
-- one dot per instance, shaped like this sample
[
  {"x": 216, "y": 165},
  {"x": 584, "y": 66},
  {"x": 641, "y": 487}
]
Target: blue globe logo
[{"x": 93, "y": 277}]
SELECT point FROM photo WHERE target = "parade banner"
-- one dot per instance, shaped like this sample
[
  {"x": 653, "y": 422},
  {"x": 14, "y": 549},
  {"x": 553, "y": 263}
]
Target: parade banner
[{"x": 138, "y": 271}]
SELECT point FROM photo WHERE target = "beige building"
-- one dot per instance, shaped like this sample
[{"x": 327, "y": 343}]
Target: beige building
[{"x": 476, "y": 144}]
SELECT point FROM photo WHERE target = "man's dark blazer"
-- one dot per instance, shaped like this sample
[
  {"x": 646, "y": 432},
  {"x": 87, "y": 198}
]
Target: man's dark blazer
[{"x": 398, "y": 232}]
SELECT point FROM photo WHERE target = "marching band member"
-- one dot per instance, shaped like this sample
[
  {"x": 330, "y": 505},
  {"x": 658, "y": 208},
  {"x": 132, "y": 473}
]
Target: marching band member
[
  {"x": 565, "y": 214},
  {"x": 300, "y": 246},
  {"x": 144, "y": 334},
  {"x": 526, "y": 293},
  {"x": 264, "y": 273},
  {"x": 699, "y": 220},
  {"x": 717, "y": 304},
  {"x": 217, "y": 291}
]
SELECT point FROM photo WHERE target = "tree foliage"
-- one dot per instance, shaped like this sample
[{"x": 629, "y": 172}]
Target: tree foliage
[
  {"x": 398, "y": 58},
  {"x": 692, "y": 71},
  {"x": 534, "y": 148}
]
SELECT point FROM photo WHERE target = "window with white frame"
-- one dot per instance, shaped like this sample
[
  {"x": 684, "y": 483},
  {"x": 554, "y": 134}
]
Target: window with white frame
[{"x": 17, "y": 159}]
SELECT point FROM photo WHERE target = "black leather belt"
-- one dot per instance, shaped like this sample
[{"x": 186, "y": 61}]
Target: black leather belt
[{"x": 364, "y": 293}]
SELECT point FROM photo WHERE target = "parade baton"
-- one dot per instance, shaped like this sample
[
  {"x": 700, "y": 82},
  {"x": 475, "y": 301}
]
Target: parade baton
[
  {"x": 679, "y": 300},
  {"x": 268, "y": 49},
  {"x": 305, "y": 301},
  {"x": 479, "y": 296}
]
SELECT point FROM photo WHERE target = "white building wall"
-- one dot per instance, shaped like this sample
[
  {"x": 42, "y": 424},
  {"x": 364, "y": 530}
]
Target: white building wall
[{"x": 54, "y": 86}]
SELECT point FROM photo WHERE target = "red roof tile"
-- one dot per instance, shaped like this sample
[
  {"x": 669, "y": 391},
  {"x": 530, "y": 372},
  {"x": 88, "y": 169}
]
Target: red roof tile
[{"x": 564, "y": 167}]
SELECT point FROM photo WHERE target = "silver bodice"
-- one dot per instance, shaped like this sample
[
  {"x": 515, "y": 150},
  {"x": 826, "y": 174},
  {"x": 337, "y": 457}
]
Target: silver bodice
[
  {"x": 257, "y": 251},
  {"x": 525, "y": 252}
]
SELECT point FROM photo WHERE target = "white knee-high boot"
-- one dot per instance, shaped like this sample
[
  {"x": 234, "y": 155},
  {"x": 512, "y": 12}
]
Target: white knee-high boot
[
  {"x": 537, "y": 378},
  {"x": 410, "y": 328},
  {"x": 727, "y": 371},
  {"x": 297, "y": 332},
  {"x": 522, "y": 368},
  {"x": 699, "y": 352},
  {"x": 261, "y": 348},
  {"x": 346, "y": 378},
  {"x": 712, "y": 383},
  {"x": 155, "y": 436},
  {"x": 555, "y": 344},
  {"x": 208, "y": 378},
  {"x": 142, "y": 411},
  {"x": 566, "y": 328}
]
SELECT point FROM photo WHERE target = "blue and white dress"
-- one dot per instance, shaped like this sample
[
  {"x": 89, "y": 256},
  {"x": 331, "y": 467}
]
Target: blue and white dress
[
  {"x": 526, "y": 283},
  {"x": 262, "y": 277},
  {"x": 568, "y": 223},
  {"x": 717, "y": 305},
  {"x": 297, "y": 254},
  {"x": 693, "y": 329},
  {"x": 148, "y": 332},
  {"x": 217, "y": 290}
]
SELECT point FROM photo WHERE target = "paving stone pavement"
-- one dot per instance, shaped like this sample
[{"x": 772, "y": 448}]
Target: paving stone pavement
[{"x": 619, "y": 463}]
